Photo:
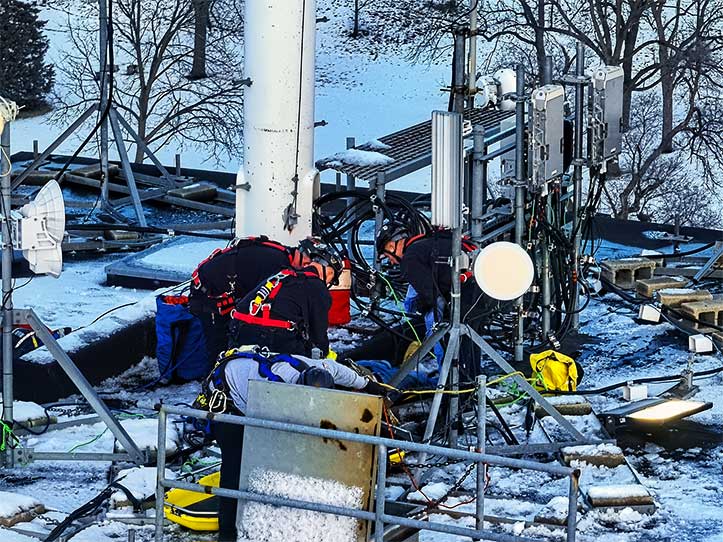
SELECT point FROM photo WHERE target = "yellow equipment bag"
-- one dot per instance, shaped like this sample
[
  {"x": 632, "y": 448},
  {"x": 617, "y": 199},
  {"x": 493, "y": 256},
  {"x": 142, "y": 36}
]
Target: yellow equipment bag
[
  {"x": 554, "y": 371},
  {"x": 193, "y": 510}
]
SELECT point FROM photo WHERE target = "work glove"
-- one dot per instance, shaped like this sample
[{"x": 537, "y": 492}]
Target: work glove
[
  {"x": 331, "y": 355},
  {"x": 374, "y": 388}
]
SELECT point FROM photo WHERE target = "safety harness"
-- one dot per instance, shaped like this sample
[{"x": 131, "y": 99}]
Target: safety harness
[
  {"x": 215, "y": 396},
  {"x": 225, "y": 302},
  {"x": 259, "y": 311}
]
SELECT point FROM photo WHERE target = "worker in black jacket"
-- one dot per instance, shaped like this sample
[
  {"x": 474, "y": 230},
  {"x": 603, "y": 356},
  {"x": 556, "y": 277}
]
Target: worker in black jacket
[
  {"x": 228, "y": 275},
  {"x": 426, "y": 264},
  {"x": 289, "y": 312}
]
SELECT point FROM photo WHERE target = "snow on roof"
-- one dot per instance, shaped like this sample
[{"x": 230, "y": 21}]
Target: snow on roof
[
  {"x": 265, "y": 523},
  {"x": 356, "y": 157},
  {"x": 182, "y": 258},
  {"x": 376, "y": 145},
  {"x": 12, "y": 504},
  {"x": 105, "y": 327},
  {"x": 140, "y": 481},
  {"x": 592, "y": 450},
  {"x": 25, "y": 410},
  {"x": 676, "y": 291},
  {"x": 432, "y": 491},
  {"x": 145, "y": 434},
  {"x": 617, "y": 492}
]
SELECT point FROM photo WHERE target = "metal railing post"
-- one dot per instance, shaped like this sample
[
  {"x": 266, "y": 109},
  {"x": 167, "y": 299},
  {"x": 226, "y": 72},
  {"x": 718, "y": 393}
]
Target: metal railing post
[
  {"x": 572, "y": 506},
  {"x": 381, "y": 484},
  {"x": 481, "y": 437},
  {"x": 7, "y": 284},
  {"x": 160, "y": 473}
]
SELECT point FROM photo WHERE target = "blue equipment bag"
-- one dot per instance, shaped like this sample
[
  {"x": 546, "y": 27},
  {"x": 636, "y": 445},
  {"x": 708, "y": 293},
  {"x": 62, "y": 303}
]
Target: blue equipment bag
[{"x": 181, "y": 345}]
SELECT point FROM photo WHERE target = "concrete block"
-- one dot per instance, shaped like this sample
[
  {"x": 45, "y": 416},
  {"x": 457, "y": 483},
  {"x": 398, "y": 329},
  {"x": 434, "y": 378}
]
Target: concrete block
[
  {"x": 648, "y": 287},
  {"x": 568, "y": 409},
  {"x": 622, "y": 495},
  {"x": 195, "y": 192},
  {"x": 601, "y": 455},
  {"x": 626, "y": 272},
  {"x": 675, "y": 297},
  {"x": 706, "y": 312}
]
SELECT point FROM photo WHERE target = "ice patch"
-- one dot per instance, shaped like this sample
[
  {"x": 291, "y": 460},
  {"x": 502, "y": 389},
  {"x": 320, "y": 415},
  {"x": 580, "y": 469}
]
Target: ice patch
[{"x": 266, "y": 523}]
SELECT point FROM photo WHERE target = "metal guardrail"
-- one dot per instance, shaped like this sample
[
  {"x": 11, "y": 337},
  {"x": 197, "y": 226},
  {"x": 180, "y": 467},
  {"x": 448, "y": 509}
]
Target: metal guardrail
[{"x": 379, "y": 516}]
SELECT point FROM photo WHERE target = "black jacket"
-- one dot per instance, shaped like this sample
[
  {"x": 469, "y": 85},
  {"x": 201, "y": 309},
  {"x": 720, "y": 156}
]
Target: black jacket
[
  {"x": 238, "y": 270},
  {"x": 426, "y": 265},
  {"x": 304, "y": 300}
]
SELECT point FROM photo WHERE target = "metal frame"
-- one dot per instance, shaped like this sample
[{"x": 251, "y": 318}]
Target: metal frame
[
  {"x": 379, "y": 516},
  {"x": 11, "y": 317}
]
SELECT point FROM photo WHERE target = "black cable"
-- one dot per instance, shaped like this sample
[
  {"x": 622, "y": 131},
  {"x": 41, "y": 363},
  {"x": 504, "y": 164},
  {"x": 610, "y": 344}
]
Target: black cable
[{"x": 107, "y": 70}]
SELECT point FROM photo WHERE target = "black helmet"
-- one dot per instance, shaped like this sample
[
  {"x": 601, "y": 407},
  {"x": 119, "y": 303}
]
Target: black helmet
[
  {"x": 320, "y": 252},
  {"x": 391, "y": 231},
  {"x": 317, "y": 377}
]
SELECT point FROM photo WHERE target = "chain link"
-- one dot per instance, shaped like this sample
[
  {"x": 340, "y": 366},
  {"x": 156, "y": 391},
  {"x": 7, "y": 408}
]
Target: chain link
[
  {"x": 438, "y": 464},
  {"x": 454, "y": 487}
]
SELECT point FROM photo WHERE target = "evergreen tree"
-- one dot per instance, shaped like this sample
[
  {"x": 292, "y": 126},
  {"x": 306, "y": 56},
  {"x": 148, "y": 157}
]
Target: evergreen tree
[{"x": 24, "y": 76}]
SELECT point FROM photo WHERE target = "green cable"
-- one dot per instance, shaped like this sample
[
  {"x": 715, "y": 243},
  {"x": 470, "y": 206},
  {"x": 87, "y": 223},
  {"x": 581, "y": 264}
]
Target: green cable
[
  {"x": 91, "y": 441},
  {"x": 97, "y": 437},
  {"x": 7, "y": 434},
  {"x": 400, "y": 306}
]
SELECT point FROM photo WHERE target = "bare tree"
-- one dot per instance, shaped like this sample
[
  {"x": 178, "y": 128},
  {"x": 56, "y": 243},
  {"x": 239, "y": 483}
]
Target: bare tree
[
  {"x": 359, "y": 5},
  {"x": 156, "y": 43},
  {"x": 201, "y": 10}
]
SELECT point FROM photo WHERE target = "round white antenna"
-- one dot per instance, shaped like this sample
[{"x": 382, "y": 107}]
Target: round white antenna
[
  {"x": 507, "y": 84},
  {"x": 38, "y": 230},
  {"x": 504, "y": 271}
]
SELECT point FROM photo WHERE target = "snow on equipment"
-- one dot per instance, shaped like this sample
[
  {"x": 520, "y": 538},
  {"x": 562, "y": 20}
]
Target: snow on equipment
[{"x": 181, "y": 348}]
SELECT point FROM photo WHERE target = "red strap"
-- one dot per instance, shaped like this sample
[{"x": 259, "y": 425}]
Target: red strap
[
  {"x": 175, "y": 299},
  {"x": 413, "y": 239},
  {"x": 263, "y": 321}
]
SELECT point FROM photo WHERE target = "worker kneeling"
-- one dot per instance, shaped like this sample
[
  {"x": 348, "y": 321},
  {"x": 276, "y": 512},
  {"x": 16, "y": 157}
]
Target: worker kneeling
[
  {"x": 226, "y": 391},
  {"x": 289, "y": 312}
]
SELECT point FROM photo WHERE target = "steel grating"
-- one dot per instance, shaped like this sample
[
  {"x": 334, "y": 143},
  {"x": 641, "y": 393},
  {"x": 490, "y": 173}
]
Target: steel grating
[{"x": 410, "y": 149}]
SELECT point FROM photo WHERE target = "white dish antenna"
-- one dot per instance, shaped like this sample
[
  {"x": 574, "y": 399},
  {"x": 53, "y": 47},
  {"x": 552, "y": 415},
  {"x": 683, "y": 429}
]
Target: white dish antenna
[
  {"x": 496, "y": 89},
  {"x": 506, "y": 85},
  {"x": 504, "y": 270},
  {"x": 38, "y": 229}
]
